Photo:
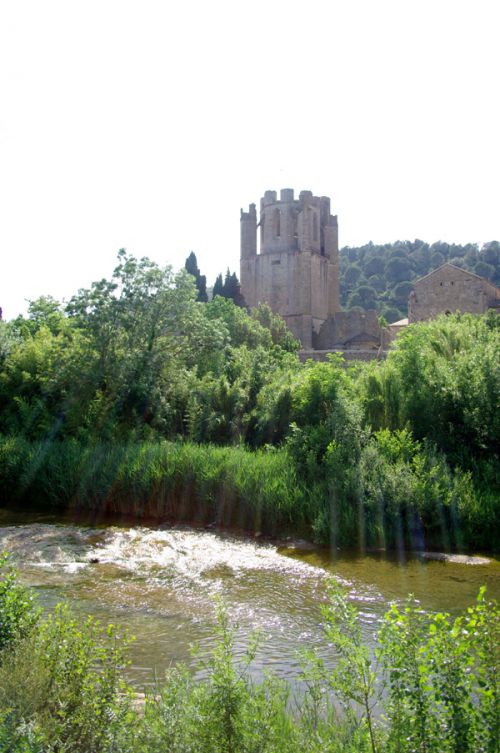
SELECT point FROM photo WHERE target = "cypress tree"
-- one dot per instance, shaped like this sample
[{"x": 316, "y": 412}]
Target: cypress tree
[
  {"x": 230, "y": 288},
  {"x": 191, "y": 266},
  {"x": 218, "y": 286}
]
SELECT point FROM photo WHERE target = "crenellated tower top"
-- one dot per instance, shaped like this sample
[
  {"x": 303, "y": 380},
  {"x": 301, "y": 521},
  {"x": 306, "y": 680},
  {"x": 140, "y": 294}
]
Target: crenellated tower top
[
  {"x": 292, "y": 225},
  {"x": 294, "y": 267}
]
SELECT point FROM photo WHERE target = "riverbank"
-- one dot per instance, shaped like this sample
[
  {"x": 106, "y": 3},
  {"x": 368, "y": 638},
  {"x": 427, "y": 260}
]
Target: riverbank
[
  {"x": 258, "y": 492},
  {"x": 347, "y": 701},
  {"x": 227, "y": 487}
]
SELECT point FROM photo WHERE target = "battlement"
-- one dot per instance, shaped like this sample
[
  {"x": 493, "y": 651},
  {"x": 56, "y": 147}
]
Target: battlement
[
  {"x": 252, "y": 212},
  {"x": 295, "y": 268},
  {"x": 290, "y": 225}
]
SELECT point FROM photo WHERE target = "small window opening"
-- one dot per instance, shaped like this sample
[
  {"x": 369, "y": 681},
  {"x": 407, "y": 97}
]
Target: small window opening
[
  {"x": 315, "y": 228},
  {"x": 278, "y": 222}
]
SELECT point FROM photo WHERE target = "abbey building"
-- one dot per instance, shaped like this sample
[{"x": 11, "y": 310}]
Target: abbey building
[{"x": 290, "y": 260}]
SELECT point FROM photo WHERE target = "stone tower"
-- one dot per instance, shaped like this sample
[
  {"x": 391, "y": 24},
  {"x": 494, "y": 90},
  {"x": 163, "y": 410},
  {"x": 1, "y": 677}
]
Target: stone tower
[{"x": 296, "y": 271}]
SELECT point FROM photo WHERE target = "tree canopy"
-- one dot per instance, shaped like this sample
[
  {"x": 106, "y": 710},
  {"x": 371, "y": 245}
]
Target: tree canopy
[{"x": 389, "y": 270}]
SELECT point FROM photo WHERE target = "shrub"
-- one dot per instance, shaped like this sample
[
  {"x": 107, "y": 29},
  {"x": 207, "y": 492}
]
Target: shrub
[
  {"x": 432, "y": 686},
  {"x": 65, "y": 680},
  {"x": 18, "y": 611}
]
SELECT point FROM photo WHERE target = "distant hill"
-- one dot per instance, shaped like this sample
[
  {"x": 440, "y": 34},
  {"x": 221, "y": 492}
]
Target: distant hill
[{"x": 381, "y": 276}]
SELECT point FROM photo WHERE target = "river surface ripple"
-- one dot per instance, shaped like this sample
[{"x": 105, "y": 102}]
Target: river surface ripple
[{"x": 162, "y": 585}]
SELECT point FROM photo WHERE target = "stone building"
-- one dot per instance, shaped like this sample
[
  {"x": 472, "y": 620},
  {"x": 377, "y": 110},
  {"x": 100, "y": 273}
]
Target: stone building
[
  {"x": 296, "y": 270},
  {"x": 349, "y": 331},
  {"x": 449, "y": 289}
]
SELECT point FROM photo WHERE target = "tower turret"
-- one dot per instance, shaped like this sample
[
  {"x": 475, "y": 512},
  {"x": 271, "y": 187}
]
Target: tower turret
[
  {"x": 248, "y": 232},
  {"x": 296, "y": 270}
]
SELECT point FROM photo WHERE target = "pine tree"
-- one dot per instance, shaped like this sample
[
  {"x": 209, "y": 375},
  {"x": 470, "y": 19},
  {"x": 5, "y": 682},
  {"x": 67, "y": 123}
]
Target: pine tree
[
  {"x": 234, "y": 290},
  {"x": 228, "y": 285}
]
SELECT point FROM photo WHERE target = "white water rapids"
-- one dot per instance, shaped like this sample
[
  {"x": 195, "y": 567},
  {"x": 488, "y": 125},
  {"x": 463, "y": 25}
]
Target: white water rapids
[{"x": 162, "y": 586}]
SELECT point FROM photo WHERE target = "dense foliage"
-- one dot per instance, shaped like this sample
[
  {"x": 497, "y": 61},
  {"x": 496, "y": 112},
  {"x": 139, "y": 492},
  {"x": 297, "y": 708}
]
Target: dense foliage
[
  {"x": 432, "y": 685},
  {"x": 228, "y": 288},
  {"x": 191, "y": 266},
  {"x": 137, "y": 397},
  {"x": 381, "y": 276},
  {"x": 138, "y": 356}
]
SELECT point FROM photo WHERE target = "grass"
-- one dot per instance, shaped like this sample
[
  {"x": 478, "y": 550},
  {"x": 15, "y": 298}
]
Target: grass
[
  {"x": 229, "y": 486},
  {"x": 378, "y": 501}
]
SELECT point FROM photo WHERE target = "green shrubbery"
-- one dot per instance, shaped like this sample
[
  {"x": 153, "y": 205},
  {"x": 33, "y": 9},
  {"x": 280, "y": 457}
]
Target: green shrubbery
[
  {"x": 61, "y": 684},
  {"x": 139, "y": 398},
  {"x": 18, "y": 613},
  {"x": 432, "y": 685},
  {"x": 228, "y": 486}
]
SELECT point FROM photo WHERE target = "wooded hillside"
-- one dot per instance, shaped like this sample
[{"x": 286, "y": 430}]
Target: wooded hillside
[{"x": 381, "y": 276}]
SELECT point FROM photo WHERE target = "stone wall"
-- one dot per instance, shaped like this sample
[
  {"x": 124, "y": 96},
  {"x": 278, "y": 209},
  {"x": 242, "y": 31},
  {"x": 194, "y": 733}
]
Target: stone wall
[
  {"x": 450, "y": 289},
  {"x": 352, "y": 330},
  {"x": 348, "y": 355},
  {"x": 296, "y": 271}
]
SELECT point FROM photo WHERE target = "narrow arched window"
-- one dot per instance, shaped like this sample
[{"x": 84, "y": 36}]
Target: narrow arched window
[
  {"x": 315, "y": 228},
  {"x": 277, "y": 221}
]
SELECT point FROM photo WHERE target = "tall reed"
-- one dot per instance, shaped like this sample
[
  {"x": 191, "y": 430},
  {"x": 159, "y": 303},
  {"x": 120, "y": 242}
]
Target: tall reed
[{"x": 230, "y": 486}]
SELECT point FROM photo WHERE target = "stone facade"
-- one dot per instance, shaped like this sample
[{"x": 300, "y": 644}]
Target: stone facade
[
  {"x": 296, "y": 270},
  {"x": 349, "y": 330},
  {"x": 449, "y": 289}
]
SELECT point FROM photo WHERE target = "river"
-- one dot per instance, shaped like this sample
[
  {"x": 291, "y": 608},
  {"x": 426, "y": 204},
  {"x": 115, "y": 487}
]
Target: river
[{"x": 162, "y": 585}]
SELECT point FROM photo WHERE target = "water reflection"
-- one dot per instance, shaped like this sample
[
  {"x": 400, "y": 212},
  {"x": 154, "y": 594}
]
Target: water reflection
[{"x": 161, "y": 585}]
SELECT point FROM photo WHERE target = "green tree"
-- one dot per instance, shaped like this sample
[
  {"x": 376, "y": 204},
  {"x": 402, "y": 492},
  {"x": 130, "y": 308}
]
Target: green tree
[
  {"x": 401, "y": 292},
  {"x": 484, "y": 270},
  {"x": 218, "y": 287},
  {"x": 397, "y": 269},
  {"x": 352, "y": 274},
  {"x": 374, "y": 266},
  {"x": 276, "y": 325},
  {"x": 143, "y": 325},
  {"x": 490, "y": 253},
  {"x": 191, "y": 266},
  {"x": 366, "y": 296}
]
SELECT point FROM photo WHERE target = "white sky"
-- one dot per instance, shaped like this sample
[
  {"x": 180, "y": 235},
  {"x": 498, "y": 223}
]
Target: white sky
[{"x": 149, "y": 124}]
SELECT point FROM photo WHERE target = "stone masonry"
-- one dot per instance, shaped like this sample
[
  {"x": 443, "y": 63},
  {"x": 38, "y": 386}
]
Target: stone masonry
[
  {"x": 296, "y": 270},
  {"x": 449, "y": 289}
]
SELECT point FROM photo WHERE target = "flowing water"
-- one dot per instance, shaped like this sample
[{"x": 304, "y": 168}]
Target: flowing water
[{"x": 162, "y": 584}]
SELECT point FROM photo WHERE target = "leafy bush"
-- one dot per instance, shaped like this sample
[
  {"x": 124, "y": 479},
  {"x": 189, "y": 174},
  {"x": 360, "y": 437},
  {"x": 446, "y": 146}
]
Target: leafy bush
[
  {"x": 442, "y": 679},
  {"x": 64, "y": 679},
  {"x": 18, "y": 611},
  {"x": 223, "y": 712},
  {"x": 432, "y": 685}
]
